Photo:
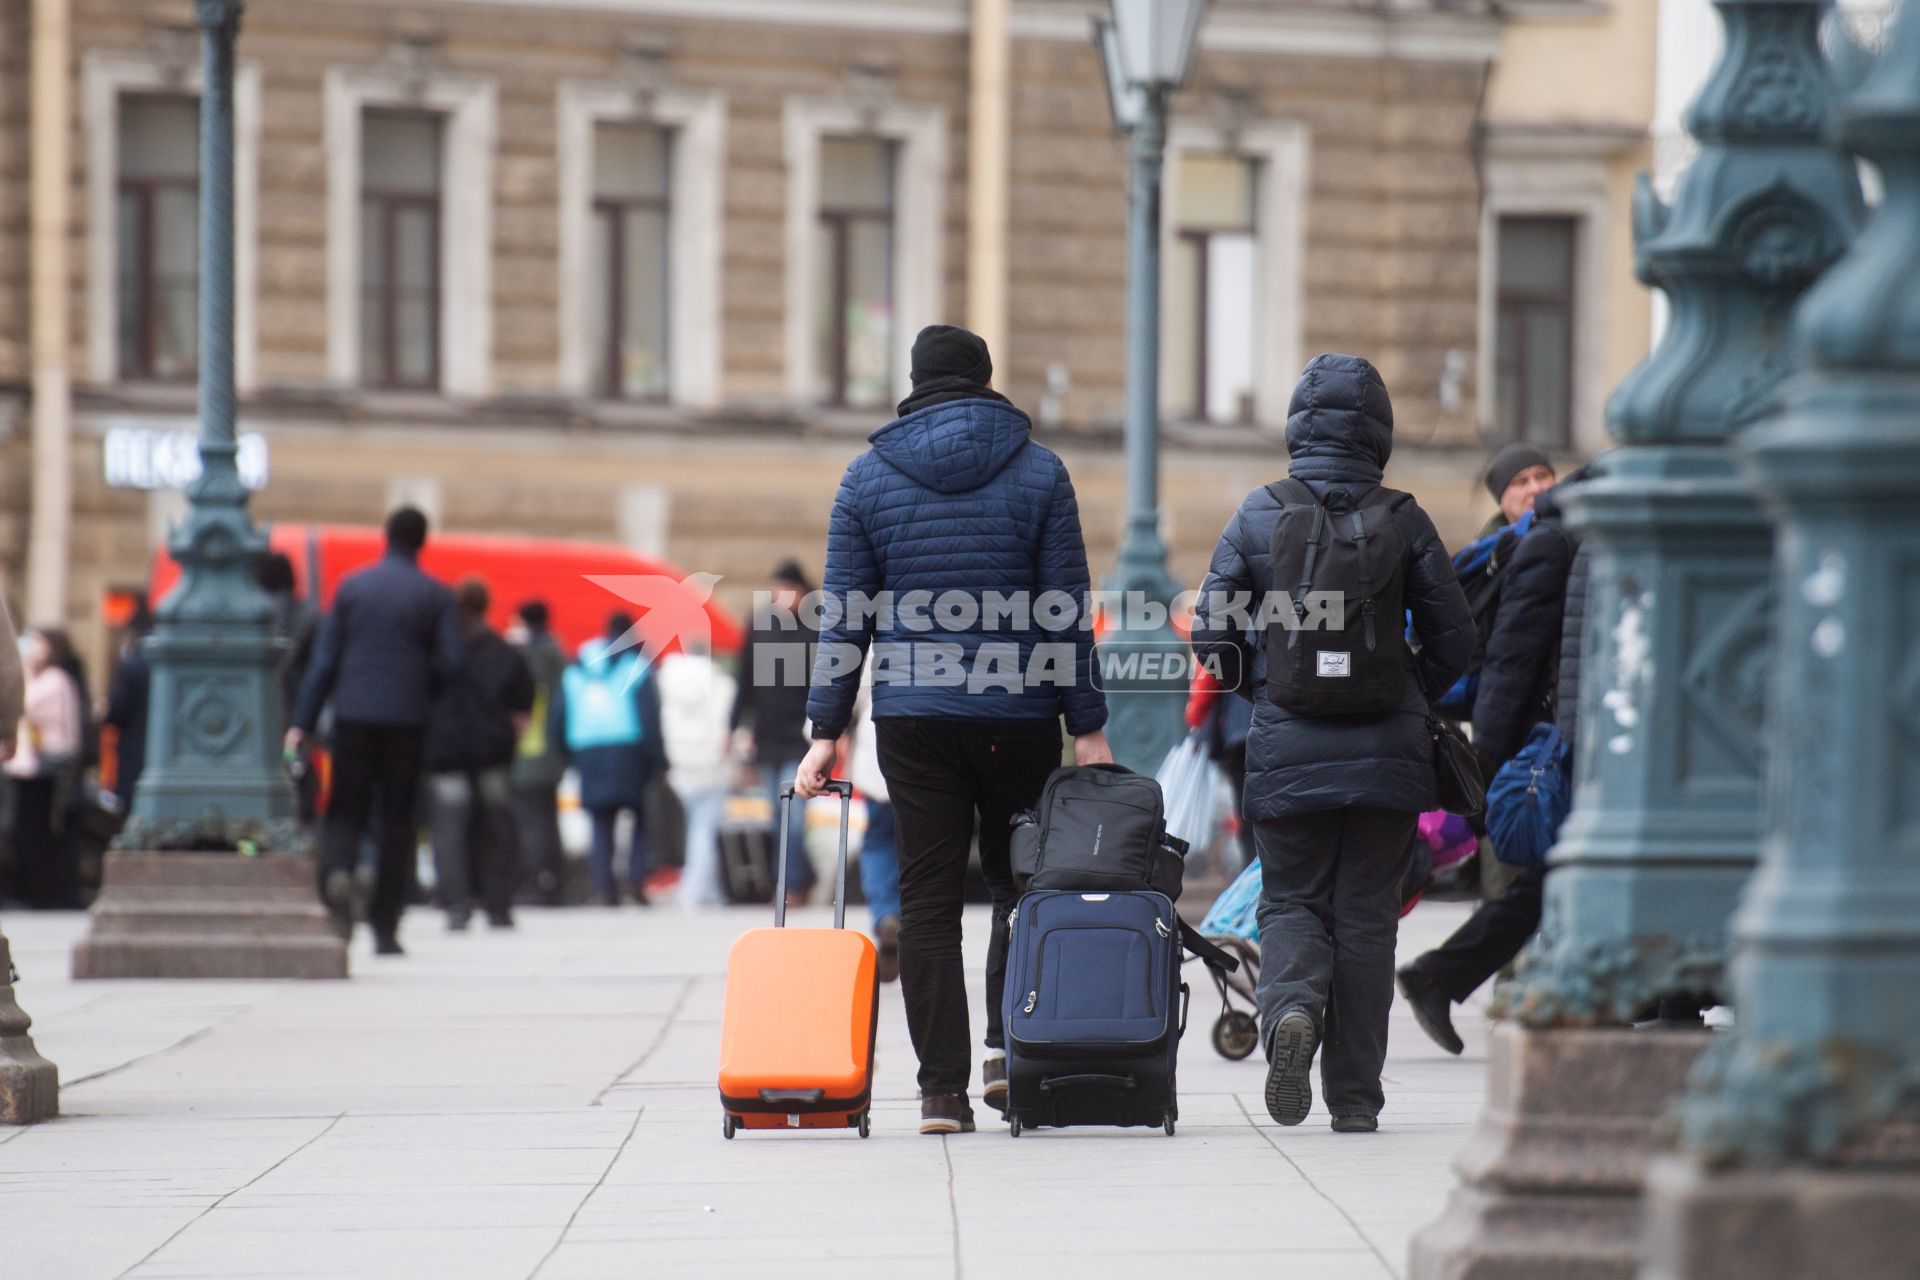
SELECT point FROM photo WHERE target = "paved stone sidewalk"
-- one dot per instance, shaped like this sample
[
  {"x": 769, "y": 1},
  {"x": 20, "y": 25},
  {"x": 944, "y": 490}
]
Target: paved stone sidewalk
[{"x": 542, "y": 1104}]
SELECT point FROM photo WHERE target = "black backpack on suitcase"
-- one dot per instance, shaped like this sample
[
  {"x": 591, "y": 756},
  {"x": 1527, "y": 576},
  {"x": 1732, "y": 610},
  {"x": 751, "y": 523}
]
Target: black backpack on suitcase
[
  {"x": 1348, "y": 565},
  {"x": 1098, "y": 826}
]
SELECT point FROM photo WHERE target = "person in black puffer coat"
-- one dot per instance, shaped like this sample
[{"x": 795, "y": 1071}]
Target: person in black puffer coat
[
  {"x": 1531, "y": 676},
  {"x": 472, "y": 731},
  {"x": 1333, "y": 800}
]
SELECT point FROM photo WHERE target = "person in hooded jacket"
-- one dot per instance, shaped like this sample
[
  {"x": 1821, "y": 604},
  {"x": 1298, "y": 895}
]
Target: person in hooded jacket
[
  {"x": 1333, "y": 800},
  {"x": 1531, "y": 676},
  {"x": 955, "y": 497}
]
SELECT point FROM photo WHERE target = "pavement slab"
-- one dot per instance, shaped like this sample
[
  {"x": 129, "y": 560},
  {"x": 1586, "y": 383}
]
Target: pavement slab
[{"x": 539, "y": 1105}]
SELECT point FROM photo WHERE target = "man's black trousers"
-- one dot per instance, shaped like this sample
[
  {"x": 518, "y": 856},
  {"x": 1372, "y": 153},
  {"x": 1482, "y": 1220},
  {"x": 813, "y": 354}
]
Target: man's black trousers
[
  {"x": 945, "y": 778},
  {"x": 376, "y": 778}
]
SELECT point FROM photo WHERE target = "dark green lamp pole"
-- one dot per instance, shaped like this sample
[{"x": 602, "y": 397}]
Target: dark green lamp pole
[{"x": 214, "y": 778}]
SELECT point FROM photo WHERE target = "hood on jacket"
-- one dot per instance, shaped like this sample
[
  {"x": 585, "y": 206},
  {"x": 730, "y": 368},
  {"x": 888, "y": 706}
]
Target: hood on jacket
[
  {"x": 955, "y": 446},
  {"x": 1340, "y": 421}
]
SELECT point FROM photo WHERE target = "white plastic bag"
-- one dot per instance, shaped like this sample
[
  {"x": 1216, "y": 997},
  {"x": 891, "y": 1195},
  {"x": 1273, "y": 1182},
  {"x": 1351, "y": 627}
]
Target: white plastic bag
[{"x": 1186, "y": 783}]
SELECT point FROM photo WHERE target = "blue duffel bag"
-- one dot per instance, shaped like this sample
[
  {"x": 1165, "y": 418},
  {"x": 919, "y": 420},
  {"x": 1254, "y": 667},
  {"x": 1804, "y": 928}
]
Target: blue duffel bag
[{"x": 1529, "y": 799}]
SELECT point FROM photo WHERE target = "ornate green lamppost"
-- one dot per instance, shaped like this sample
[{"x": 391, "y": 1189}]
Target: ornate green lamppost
[
  {"x": 178, "y": 899},
  {"x": 1803, "y": 1122},
  {"x": 1666, "y": 823}
]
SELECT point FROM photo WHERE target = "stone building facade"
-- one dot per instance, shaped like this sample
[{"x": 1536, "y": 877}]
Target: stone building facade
[{"x": 429, "y": 193}]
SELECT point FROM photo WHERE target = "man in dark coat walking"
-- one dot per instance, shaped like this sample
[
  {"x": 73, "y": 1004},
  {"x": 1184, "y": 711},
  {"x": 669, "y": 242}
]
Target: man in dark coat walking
[
  {"x": 955, "y": 502},
  {"x": 1334, "y": 799},
  {"x": 391, "y": 641},
  {"x": 1527, "y": 679},
  {"x": 770, "y": 709},
  {"x": 475, "y": 725},
  {"x": 540, "y": 762}
]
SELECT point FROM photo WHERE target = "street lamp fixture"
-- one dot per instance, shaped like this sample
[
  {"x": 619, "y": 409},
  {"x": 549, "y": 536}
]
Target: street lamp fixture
[
  {"x": 1125, "y": 99},
  {"x": 1156, "y": 40}
]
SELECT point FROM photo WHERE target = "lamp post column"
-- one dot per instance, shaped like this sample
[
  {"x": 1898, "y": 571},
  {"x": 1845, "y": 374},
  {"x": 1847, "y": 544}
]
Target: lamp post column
[{"x": 1140, "y": 655}]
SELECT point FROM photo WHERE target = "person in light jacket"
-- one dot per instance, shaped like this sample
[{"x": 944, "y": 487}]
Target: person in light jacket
[
  {"x": 879, "y": 847},
  {"x": 696, "y": 709}
]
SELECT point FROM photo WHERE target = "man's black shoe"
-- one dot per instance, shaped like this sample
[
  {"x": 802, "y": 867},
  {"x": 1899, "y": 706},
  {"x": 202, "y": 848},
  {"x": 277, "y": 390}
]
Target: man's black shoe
[
  {"x": 337, "y": 895},
  {"x": 1289, "y": 1067},
  {"x": 500, "y": 919},
  {"x": 993, "y": 1082},
  {"x": 942, "y": 1113},
  {"x": 387, "y": 943},
  {"x": 1358, "y": 1123},
  {"x": 1431, "y": 1008}
]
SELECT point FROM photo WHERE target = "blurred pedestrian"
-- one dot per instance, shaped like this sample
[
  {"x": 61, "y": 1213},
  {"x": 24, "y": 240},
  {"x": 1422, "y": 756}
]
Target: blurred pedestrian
[
  {"x": 1340, "y": 757},
  {"x": 1224, "y": 717},
  {"x": 472, "y": 731},
  {"x": 127, "y": 698},
  {"x": 295, "y": 620},
  {"x": 391, "y": 641},
  {"x": 696, "y": 706},
  {"x": 770, "y": 710},
  {"x": 46, "y": 757},
  {"x": 879, "y": 846},
  {"x": 540, "y": 761},
  {"x": 1515, "y": 476},
  {"x": 1531, "y": 676},
  {"x": 608, "y": 717},
  {"x": 956, "y": 496}
]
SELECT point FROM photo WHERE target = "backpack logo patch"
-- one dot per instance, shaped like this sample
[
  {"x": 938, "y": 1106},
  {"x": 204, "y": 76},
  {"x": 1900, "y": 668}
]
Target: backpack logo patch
[
  {"x": 1098, "y": 831},
  {"x": 1333, "y": 663}
]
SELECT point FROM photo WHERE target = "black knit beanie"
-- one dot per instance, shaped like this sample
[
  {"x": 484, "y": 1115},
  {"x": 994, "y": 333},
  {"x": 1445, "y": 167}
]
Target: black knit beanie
[
  {"x": 948, "y": 351},
  {"x": 1510, "y": 462}
]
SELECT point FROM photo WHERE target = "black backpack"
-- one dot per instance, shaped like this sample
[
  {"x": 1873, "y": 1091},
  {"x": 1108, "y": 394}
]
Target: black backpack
[
  {"x": 1358, "y": 558},
  {"x": 1097, "y": 826}
]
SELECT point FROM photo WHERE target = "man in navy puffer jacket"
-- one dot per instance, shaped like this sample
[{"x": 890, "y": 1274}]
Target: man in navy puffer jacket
[
  {"x": 1333, "y": 799},
  {"x": 953, "y": 510}
]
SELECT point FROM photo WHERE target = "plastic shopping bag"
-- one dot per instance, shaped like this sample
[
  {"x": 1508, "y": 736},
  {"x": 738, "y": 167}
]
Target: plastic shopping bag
[
  {"x": 1236, "y": 912},
  {"x": 1186, "y": 787}
]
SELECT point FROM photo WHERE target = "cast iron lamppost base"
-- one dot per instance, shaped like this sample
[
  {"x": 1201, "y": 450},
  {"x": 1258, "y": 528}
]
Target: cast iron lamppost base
[
  {"x": 1145, "y": 49},
  {"x": 212, "y": 876},
  {"x": 1666, "y": 822}
]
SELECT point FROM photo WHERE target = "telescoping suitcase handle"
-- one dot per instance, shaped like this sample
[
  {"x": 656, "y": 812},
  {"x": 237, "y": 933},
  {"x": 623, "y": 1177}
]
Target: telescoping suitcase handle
[{"x": 844, "y": 790}]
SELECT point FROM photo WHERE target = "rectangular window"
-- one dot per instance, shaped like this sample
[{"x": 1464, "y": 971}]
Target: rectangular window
[
  {"x": 400, "y": 164},
  {"x": 158, "y": 248},
  {"x": 853, "y": 255},
  {"x": 1211, "y": 283},
  {"x": 629, "y": 298},
  {"x": 1533, "y": 338}
]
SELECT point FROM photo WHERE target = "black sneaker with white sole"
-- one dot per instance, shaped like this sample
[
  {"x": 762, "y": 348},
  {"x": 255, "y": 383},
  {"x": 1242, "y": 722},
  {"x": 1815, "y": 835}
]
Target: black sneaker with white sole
[{"x": 1289, "y": 1067}]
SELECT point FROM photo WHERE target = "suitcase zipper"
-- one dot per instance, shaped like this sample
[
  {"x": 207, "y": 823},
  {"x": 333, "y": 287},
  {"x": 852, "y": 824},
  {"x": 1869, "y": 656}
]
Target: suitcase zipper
[
  {"x": 1160, "y": 926},
  {"x": 1033, "y": 998}
]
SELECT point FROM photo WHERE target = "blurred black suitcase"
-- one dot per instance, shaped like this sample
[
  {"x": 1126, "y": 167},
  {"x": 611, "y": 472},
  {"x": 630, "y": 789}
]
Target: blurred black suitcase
[{"x": 746, "y": 849}]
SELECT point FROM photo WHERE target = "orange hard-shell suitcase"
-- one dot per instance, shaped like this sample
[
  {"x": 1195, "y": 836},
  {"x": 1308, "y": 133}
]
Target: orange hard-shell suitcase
[{"x": 796, "y": 1039}]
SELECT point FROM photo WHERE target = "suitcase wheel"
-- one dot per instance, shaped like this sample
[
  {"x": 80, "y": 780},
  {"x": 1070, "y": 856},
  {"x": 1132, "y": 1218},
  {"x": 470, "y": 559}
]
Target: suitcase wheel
[
  {"x": 1236, "y": 1035},
  {"x": 866, "y": 1125},
  {"x": 728, "y": 1126},
  {"x": 1013, "y": 1126},
  {"x": 1167, "y": 1124}
]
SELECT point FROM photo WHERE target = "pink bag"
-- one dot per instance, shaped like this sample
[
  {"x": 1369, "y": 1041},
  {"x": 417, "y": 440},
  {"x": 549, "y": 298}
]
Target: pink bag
[{"x": 1450, "y": 838}]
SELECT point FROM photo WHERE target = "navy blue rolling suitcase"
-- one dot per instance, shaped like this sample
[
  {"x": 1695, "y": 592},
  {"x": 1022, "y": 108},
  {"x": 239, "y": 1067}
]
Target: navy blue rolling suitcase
[{"x": 1094, "y": 1009}]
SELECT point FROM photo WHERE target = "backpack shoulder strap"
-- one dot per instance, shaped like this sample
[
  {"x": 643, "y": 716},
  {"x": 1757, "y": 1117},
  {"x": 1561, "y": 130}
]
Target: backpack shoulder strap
[
  {"x": 1381, "y": 496},
  {"x": 1292, "y": 491}
]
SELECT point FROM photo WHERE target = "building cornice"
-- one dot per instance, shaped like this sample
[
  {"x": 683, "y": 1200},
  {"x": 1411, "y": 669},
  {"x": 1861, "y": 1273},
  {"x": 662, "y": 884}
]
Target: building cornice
[{"x": 1385, "y": 33}]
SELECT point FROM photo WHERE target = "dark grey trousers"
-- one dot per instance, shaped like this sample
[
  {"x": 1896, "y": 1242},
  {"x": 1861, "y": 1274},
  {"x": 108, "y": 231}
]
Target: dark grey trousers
[
  {"x": 1329, "y": 916},
  {"x": 474, "y": 850}
]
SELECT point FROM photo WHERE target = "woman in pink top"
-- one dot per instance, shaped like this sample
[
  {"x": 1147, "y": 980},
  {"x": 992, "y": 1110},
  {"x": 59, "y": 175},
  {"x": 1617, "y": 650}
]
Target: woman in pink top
[{"x": 46, "y": 751}]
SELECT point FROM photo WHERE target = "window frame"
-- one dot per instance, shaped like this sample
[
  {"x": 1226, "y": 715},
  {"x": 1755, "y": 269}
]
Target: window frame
[
  {"x": 695, "y": 122},
  {"x": 1508, "y": 302},
  {"x": 1201, "y": 237},
  {"x": 147, "y": 191},
  {"x": 105, "y": 78},
  {"x": 614, "y": 210},
  {"x": 918, "y": 267},
  {"x": 389, "y": 205},
  {"x": 840, "y": 221},
  {"x": 1281, "y": 152},
  {"x": 463, "y": 311}
]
